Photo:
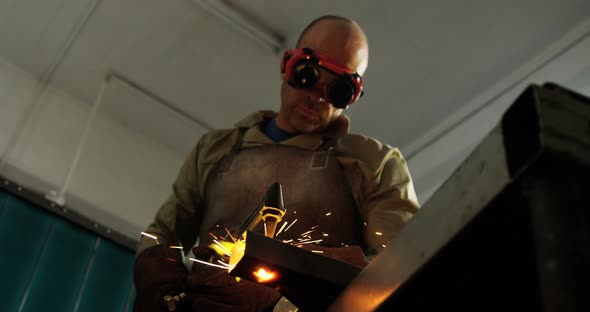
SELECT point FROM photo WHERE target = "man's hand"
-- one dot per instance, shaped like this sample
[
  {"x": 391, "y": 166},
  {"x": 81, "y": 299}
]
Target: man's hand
[
  {"x": 157, "y": 272},
  {"x": 213, "y": 289}
]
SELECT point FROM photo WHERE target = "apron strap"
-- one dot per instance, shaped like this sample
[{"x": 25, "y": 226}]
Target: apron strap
[
  {"x": 226, "y": 161},
  {"x": 320, "y": 155}
]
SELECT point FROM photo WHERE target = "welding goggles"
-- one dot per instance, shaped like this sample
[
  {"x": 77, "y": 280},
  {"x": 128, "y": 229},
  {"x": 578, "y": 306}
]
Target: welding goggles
[{"x": 301, "y": 69}]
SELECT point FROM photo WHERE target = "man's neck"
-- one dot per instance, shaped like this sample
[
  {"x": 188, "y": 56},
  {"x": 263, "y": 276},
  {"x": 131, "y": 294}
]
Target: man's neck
[
  {"x": 283, "y": 124},
  {"x": 276, "y": 133}
]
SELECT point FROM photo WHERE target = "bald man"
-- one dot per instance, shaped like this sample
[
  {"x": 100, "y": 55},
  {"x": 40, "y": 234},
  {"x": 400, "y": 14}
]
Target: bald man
[{"x": 351, "y": 191}]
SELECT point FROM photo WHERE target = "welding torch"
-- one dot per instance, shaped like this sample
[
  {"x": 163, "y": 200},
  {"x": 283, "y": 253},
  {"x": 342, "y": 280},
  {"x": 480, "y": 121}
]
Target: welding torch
[{"x": 270, "y": 210}]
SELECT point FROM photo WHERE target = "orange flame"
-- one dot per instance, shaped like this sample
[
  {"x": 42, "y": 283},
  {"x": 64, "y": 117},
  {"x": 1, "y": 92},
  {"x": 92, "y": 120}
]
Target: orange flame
[{"x": 262, "y": 275}]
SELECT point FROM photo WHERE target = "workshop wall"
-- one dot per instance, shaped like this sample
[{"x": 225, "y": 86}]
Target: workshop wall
[
  {"x": 123, "y": 175},
  {"x": 51, "y": 264}
]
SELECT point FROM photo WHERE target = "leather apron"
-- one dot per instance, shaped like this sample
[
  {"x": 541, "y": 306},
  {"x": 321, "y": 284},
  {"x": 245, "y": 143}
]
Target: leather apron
[{"x": 315, "y": 192}]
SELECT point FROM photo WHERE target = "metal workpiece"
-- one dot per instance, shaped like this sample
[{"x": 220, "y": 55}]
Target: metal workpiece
[
  {"x": 311, "y": 281},
  {"x": 510, "y": 228}
]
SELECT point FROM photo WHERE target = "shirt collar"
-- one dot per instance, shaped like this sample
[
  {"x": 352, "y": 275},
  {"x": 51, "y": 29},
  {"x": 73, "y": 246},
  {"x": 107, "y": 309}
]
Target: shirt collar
[{"x": 312, "y": 141}]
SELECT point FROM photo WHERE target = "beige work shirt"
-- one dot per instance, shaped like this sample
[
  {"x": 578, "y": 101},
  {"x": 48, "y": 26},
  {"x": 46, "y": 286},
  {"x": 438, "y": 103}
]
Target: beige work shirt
[{"x": 377, "y": 174}]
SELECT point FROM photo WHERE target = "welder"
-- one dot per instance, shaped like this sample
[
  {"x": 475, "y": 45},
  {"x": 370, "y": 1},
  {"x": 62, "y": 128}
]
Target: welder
[{"x": 348, "y": 193}]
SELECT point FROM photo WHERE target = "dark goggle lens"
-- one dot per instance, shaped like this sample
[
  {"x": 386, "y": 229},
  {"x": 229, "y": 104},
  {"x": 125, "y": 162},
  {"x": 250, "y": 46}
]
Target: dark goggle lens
[
  {"x": 305, "y": 75},
  {"x": 340, "y": 93}
]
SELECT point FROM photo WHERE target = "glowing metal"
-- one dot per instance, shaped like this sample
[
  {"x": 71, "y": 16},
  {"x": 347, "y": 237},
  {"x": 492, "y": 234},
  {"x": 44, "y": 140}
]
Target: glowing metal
[
  {"x": 263, "y": 275},
  {"x": 237, "y": 252}
]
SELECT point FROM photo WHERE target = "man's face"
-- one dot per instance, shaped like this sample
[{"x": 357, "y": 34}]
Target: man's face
[{"x": 305, "y": 112}]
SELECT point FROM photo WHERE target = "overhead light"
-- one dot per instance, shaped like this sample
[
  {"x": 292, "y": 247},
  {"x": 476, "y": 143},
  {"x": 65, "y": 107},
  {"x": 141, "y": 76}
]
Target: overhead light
[{"x": 260, "y": 33}]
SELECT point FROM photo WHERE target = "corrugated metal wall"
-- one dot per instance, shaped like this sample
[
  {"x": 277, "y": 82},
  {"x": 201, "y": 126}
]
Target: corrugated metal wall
[{"x": 50, "y": 264}]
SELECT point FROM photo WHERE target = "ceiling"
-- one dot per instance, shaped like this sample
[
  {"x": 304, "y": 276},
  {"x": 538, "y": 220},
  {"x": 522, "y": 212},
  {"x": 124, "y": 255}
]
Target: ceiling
[{"x": 429, "y": 59}]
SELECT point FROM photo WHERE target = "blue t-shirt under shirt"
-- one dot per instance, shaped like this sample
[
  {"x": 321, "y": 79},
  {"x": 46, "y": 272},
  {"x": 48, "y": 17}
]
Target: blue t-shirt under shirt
[{"x": 272, "y": 130}]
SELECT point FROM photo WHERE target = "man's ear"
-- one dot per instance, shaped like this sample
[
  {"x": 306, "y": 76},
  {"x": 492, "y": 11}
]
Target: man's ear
[{"x": 284, "y": 60}]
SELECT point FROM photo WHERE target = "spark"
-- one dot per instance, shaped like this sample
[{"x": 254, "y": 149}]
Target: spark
[
  {"x": 230, "y": 236},
  {"x": 295, "y": 212},
  {"x": 265, "y": 231},
  {"x": 325, "y": 234},
  {"x": 208, "y": 263},
  {"x": 288, "y": 241},
  {"x": 290, "y": 225},
  {"x": 227, "y": 252},
  {"x": 379, "y": 233},
  {"x": 327, "y": 214},
  {"x": 151, "y": 236},
  {"x": 383, "y": 245},
  {"x": 365, "y": 223},
  {"x": 315, "y": 226},
  {"x": 317, "y": 251},
  {"x": 309, "y": 242},
  {"x": 176, "y": 247},
  {"x": 282, "y": 227},
  {"x": 305, "y": 234},
  {"x": 229, "y": 266},
  {"x": 211, "y": 234}
]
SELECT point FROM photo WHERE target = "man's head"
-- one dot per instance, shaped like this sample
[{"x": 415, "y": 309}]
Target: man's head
[{"x": 341, "y": 41}]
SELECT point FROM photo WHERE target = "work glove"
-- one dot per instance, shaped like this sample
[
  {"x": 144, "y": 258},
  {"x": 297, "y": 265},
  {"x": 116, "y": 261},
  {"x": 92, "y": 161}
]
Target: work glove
[
  {"x": 213, "y": 289},
  {"x": 159, "y": 275}
]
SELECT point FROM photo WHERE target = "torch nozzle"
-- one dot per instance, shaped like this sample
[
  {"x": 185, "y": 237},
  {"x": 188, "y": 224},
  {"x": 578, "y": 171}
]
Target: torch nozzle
[
  {"x": 270, "y": 210},
  {"x": 273, "y": 210}
]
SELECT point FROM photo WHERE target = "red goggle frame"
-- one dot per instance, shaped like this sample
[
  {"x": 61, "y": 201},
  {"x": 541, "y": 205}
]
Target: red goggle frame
[{"x": 300, "y": 68}]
